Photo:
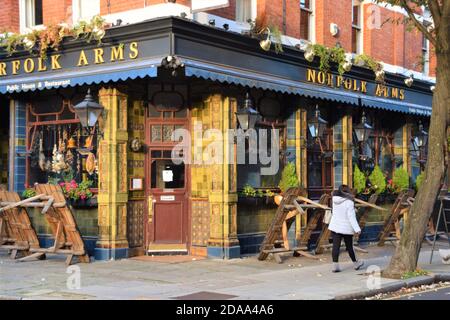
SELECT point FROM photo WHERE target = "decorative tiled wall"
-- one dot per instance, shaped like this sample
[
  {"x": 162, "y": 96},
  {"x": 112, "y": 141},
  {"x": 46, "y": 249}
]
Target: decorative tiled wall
[{"x": 20, "y": 147}]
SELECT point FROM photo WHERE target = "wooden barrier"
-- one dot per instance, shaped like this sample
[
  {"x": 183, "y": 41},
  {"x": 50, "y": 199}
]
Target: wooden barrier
[
  {"x": 293, "y": 203},
  {"x": 16, "y": 231},
  {"x": 67, "y": 237}
]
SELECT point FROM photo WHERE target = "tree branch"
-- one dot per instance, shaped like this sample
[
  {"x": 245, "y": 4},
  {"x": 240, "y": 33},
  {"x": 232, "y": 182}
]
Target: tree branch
[
  {"x": 435, "y": 12},
  {"x": 418, "y": 24}
]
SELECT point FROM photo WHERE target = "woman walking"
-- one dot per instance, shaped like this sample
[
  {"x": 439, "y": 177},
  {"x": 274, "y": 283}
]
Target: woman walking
[{"x": 343, "y": 225}]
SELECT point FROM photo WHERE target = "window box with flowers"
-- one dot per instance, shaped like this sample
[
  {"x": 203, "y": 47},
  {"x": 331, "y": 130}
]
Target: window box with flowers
[{"x": 79, "y": 194}]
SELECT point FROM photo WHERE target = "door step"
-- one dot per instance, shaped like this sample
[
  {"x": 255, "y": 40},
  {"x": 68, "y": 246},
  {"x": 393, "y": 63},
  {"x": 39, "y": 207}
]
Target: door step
[
  {"x": 167, "y": 249},
  {"x": 167, "y": 252}
]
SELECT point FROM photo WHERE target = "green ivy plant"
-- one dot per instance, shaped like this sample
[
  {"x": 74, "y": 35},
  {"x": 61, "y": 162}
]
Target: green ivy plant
[
  {"x": 359, "y": 180},
  {"x": 327, "y": 55},
  {"x": 289, "y": 178},
  {"x": 249, "y": 191},
  {"x": 377, "y": 180},
  {"x": 400, "y": 180},
  {"x": 52, "y": 36},
  {"x": 29, "y": 193}
]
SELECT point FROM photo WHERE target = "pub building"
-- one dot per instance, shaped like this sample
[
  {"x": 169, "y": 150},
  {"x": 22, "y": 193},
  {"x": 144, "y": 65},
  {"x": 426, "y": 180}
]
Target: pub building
[{"x": 103, "y": 117}]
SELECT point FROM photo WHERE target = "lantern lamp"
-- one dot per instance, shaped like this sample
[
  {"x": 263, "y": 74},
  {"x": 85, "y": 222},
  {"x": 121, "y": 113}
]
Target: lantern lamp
[
  {"x": 88, "y": 111},
  {"x": 247, "y": 115},
  {"x": 317, "y": 125},
  {"x": 421, "y": 139},
  {"x": 363, "y": 129}
]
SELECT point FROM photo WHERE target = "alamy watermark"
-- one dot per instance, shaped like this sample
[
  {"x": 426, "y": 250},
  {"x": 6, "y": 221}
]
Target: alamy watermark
[{"x": 235, "y": 146}]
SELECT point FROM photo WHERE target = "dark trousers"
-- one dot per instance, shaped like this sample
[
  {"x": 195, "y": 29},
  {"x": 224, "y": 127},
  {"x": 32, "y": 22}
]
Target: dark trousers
[{"x": 337, "y": 239}]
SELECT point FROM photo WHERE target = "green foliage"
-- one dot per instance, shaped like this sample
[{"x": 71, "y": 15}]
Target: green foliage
[
  {"x": 413, "y": 274},
  {"x": 328, "y": 55},
  {"x": 75, "y": 191},
  {"x": 378, "y": 180},
  {"x": 276, "y": 37},
  {"x": 420, "y": 179},
  {"x": 289, "y": 178},
  {"x": 359, "y": 180},
  {"x": 28, "y": 193},
  {"x": 364, "y": 60},
  {"x": 400, "y": 180},
  {"x": 249, "y": 191},
  {"x": 52, "y": 36}
]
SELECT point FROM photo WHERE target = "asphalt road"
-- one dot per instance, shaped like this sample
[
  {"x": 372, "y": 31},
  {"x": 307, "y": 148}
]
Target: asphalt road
[{"x": 438, "y": 294}]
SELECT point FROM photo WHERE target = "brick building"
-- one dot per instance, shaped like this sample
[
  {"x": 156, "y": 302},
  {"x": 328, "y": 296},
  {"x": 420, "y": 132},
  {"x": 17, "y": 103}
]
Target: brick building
[{"x": 201, "y": 209}]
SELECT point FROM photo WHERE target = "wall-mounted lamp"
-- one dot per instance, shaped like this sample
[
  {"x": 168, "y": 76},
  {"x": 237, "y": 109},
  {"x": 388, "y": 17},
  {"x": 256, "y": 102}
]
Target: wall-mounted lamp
[
  {"x": 409, "y": 81},
  {"x": 317, "y": 125},
  {"x": 247, "y": 115},
  {"x": 265, "y": 44},
  {"x": 88, "y": 111},
  {"x": 309, "y": 54},
  {"x": 363, "y": 130},
  {"x": 420, "y": 143},
  {"x": 172, "y": 63}
]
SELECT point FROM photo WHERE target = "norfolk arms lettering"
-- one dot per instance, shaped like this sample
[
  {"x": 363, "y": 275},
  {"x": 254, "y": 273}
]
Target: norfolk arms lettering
[
  {"x": 341, "y": 82},
  {"x": 99, "y": 56}
]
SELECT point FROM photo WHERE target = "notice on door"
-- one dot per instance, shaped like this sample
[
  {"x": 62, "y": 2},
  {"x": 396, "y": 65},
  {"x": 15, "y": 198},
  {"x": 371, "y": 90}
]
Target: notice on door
[{"x": 167, "y": 175}]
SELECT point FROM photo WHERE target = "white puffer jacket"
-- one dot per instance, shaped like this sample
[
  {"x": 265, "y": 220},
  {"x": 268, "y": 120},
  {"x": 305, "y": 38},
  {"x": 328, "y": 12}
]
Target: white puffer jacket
[{"x": 343, "y": 219}]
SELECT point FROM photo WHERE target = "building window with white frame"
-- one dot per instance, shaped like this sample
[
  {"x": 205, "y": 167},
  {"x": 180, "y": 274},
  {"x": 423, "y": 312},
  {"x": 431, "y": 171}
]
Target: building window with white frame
[
  {"x": 425, "y": 55},
  {"x": 305, "y": 19},
  {"x": 85, "y": 9},
  {"x": 356, "y": 26},
  {"x": 31, "y": 13},
  {"x": 244, "y": 10}
]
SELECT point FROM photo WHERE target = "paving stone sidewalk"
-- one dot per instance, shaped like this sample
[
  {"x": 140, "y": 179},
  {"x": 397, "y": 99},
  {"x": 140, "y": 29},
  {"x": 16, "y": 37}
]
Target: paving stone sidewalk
[{"x": 196, "y": 278}]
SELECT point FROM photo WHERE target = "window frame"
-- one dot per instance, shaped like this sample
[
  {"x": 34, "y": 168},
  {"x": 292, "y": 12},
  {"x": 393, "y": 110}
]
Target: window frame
[
  {"x": 27, "y": 13},
  {"x": 357, "y": 28},
  {"x": 253, "y": 11},
  {"x": 309, "y": 12},
  {"x": 77, "y": 10}
]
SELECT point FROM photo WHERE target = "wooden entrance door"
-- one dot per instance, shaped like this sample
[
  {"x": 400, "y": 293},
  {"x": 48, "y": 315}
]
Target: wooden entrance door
[{"x": 167, "y": 188}]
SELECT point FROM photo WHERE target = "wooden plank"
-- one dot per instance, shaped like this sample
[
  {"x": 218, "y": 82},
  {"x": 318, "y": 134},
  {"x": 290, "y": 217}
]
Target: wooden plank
[
  {"x": 368, "y": 204},
  {"x": 18, "y": 204},
  {"x": 316, "y": 204}
]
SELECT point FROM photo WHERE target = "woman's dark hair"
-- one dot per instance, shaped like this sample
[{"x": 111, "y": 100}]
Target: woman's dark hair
[{"x": 344, "y": 191}]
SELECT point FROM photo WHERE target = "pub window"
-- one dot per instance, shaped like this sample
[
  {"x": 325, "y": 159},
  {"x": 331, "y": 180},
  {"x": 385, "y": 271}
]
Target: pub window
[
  {"x": 85, "y": 9},
  {"x": 305, "y": 19},
  {"x": 31, "y": 13},
  {"x": 244, "y": 10},
  {"x": 58, "y": 148},
  {"x": 270, "y": 109},
  {"x": 356, "y": 27}
]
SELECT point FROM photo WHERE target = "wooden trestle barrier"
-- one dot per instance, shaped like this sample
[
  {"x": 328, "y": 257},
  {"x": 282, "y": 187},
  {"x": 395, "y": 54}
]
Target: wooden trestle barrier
[
  {"x": 67, "y": 237},
  {"x": 363, "y": 209},
  {"x": 293, "y": 203},
  {"x": 391, "y": 227},
  {"x": 16, "y": 232}
]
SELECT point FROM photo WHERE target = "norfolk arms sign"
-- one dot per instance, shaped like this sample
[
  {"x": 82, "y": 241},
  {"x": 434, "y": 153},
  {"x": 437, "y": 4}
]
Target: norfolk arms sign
[
  {"x": 33, "y": 71},
  {"x": 354, "y": 85}
]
